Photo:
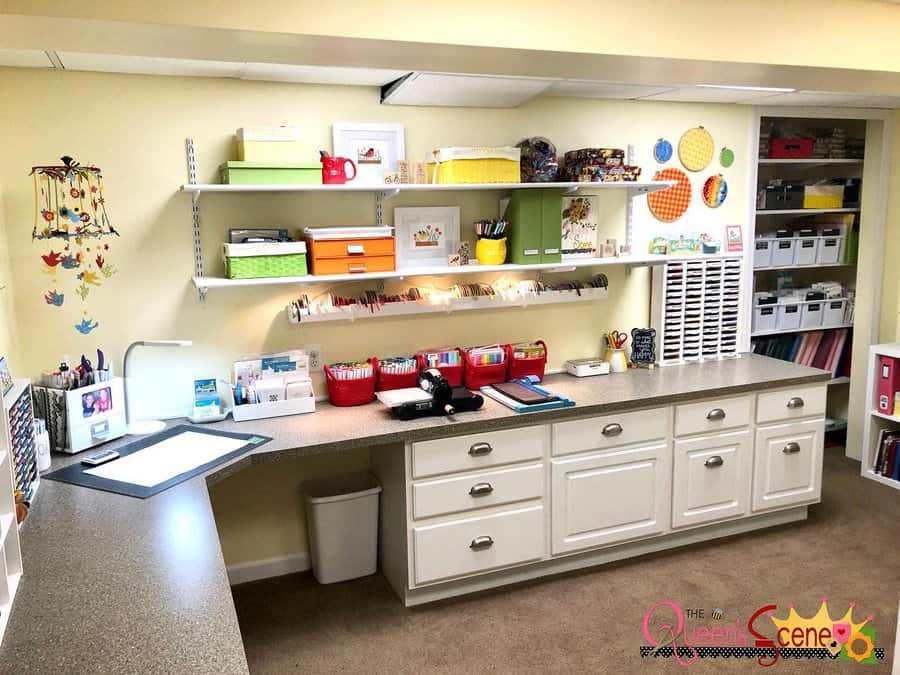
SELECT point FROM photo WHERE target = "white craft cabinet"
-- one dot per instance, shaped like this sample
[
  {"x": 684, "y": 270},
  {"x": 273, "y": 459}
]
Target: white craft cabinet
[{"x": 465, "y": 513}]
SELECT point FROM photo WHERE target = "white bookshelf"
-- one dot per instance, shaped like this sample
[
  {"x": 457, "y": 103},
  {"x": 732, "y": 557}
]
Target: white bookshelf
[
  {"x": 10, "y": 552},
  {"x": 875, "y": 421}
]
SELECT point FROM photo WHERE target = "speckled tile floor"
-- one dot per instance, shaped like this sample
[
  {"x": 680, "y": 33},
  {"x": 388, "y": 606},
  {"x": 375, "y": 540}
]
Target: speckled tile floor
[{"x": 590, "y": 621}]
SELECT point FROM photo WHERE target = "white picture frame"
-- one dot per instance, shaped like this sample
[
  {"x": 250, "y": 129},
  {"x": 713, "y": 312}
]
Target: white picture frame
[
  {"x": 425, "y": 236},
  {"x": 375, "y": 148}
]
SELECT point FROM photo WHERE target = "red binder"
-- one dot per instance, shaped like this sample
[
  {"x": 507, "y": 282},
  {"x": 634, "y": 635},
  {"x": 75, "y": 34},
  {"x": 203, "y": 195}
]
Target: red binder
[{"x": 888, "y": 384}]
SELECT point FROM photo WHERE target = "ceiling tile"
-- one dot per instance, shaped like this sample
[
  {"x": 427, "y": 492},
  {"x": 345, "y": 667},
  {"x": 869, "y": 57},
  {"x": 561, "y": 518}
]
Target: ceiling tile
[
  {"x": 148, "y": 65},
  {"x": 817, "y": 98},
  {"x": 595, "y": 89},
  {"x": 24, "y": 58},
  {"x": 476, "y": 91},
  {"x": 711, "y": 95},
  {"x": 281, "y": 72}
]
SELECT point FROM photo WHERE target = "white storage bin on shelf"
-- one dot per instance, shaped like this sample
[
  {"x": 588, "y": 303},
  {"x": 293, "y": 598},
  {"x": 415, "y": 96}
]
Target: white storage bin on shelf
[
  {"x": 830, "y": 250},
  {"x": 811, "y": 315},
  {"x": 833, "y": 312},
  {"x": 765, "y": 313},
  {"x": 805, "y": 250},
  {"x": 783, "y": 251},
  {"x": 789, "y": 313},
  {"x": 762, "y": 252}
]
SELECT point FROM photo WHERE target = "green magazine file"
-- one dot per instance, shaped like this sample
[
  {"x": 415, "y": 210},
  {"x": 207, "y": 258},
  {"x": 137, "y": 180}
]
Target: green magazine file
[{"x": 535, "y": 218}]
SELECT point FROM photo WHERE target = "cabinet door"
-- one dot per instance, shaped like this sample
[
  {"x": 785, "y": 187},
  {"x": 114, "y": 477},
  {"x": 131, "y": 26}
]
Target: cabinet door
[
  {"x": 711, "y": 478},
  {"x": 787, "y": 468},
  {"x": 609, "y": 497}
]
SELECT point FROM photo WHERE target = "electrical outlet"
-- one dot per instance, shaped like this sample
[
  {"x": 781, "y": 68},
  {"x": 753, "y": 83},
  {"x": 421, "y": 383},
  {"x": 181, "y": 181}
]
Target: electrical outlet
[{"x": 315, "y": 358}]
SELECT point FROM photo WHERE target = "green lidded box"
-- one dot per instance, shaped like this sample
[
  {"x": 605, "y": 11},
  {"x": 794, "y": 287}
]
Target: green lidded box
[
  {"x": 265, "y": 260},
  {"x": 535, "y": 226},
  {"x": 271, "y": 173}
]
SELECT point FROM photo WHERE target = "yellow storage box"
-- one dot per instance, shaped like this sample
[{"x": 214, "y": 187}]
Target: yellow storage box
[
  {"x": 269, "y": 144},
  {"x": 475, "y": 165},
  {"x": 823, "y": 196}
]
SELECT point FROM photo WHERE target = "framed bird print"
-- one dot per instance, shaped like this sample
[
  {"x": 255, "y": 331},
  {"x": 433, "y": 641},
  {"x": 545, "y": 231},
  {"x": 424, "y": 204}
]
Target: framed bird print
[{"x": 374, "y": 148}]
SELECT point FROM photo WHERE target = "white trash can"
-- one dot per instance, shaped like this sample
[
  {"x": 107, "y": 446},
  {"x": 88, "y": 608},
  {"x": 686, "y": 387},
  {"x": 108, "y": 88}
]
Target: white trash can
[{"x": 342, "y": 520}]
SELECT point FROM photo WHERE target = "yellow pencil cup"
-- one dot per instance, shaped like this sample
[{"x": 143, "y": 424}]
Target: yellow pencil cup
[
  {"x": 617, "y": 361},
  {"x": 491, "y": 251}
]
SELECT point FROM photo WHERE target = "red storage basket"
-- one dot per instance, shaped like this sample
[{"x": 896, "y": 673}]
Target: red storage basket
[
  {"x": 388, "y": 381},
  {"x": 453, "y": 374},
  {"x": 519, "y": 368},
  {"x": 791, "y": 148},
  {"x": 349, "y": 392},
  {"x": 480, "y": 376}
]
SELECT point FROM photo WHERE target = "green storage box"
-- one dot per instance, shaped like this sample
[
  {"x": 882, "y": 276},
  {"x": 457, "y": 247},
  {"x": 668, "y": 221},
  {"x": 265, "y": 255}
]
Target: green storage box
[
  {"x": 271, "y": 173},
  {"x": 535, "y": 222},
  {"x": 265, "y": 260}
]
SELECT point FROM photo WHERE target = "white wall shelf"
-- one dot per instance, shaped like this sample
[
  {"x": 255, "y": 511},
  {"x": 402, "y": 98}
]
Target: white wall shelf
[
  {"x": 803, "y": 267},
  {"x": 357, "y": 312},
  {"x": 808, "y": 162},
  {"x": 782, "y": 331},
  {"x": 801, "y": 212}
]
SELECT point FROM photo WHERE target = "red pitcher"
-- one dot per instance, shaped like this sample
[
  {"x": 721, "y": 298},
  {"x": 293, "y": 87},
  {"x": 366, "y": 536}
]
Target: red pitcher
[{"x": 334, "y": 170}]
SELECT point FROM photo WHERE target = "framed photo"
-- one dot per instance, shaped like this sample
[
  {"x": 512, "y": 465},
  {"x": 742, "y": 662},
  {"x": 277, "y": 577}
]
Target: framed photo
[
  {"x": 6, "y": 381},
  {"x": 733, "y": 238},
  {"x": 374, "y": 148},
  {"x": 425, "y": 235}
]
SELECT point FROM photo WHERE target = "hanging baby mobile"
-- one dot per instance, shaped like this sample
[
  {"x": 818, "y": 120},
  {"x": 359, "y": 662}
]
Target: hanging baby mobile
[{"x": 70, "y": 215}]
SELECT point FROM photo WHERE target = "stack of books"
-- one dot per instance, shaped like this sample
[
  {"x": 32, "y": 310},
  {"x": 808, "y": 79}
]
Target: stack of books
[
  {"x": 825, "y": 349},
  {"x": 887, "y": 463}
]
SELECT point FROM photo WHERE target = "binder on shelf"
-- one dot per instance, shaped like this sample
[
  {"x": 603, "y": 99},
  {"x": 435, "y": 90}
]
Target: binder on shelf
[
  {"x": 535, "y": 234},
  {"x": 887, "y": 384}
]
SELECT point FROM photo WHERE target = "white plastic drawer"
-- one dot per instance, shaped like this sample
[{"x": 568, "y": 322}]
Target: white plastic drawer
[
  {"x": 610, "y": 431},
  {"x": 474, "y": 491},
  {"x": 479, "y": 451},
  {"x": 787, "y": 404},
  {"x": 478, "y": 544},
  {"x": 712, "y": 416}
]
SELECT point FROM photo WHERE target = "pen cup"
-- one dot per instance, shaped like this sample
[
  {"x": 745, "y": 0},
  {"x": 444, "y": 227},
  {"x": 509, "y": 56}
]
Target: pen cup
[
  {"x": 616, "y": 359},
  {"x": 491, "y": 251}
]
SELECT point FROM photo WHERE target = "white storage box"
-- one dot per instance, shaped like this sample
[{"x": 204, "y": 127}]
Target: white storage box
[
  {"x": 811, "y": 316},
  {"x": 269, "y": 144},
  {"x": 95, "y": 414},
  {"x": 805, "y": 250},
  {"x": 765, "y": 318},
  {"x": 762, "y": 252},
  {"x": 342, "y": 521},
  {"x": 783, "y": 252},
  {"x": 789, "y": 313},
  {"x": 830, "y": 250},
  {"x": 833, "y": 312}
]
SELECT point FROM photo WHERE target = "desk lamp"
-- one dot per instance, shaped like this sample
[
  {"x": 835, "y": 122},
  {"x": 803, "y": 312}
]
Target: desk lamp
[{"x": 143, "y": 427}]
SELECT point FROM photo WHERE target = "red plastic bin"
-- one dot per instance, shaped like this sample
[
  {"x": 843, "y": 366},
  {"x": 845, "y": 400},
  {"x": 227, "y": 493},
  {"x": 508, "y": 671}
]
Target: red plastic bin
[
  {"x": 791, "y": 148},
  {"x": 519, "y": 368},
  {"x": 453, "y": 374},
  {"x": 477, "y": 376},
  {"x": 387, "y": 381},
  {"x": 349, "y": 392}
]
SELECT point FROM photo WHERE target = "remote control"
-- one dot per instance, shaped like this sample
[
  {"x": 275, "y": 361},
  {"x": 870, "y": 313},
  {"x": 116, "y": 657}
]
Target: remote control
[{"x": 100, "y": 457}]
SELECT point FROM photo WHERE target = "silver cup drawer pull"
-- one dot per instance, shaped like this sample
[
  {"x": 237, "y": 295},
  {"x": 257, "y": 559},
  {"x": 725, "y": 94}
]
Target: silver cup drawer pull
[
  {"x": 713, "y": 462},
  {"x": 613, "y": 429},
  {"x": 715, "y": 415},
  {"x": 480, "y": 449},
  {"x": 481, "y": 489},
  {"x": 791, "y": 448},
  {"x": 481, "y": 543},
  {"x": 795, "y": 403}
]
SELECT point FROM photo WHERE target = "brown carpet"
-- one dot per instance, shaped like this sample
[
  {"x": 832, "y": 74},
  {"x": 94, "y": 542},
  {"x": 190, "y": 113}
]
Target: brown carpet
[{"x": 590, "y": 621}]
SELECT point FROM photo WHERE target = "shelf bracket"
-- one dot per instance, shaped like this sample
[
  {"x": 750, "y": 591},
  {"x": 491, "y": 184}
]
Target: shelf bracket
[
  {"x": 379, "y": 203},
  {"x": 195, "y": 214}
]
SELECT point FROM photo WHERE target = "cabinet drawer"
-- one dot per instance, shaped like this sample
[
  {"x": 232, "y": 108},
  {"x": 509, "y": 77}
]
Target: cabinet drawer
[
  {"x": 712, "y": 416},
  {"x": 609, "y": 431},
  {"x": 610, "y": 497},
  {"x": 478, "y": 544},
  {"x": 474, "y": 491},
  {"x": 479, "y": 451},
  {"x": 787, "y": 404},
  {"x": 787, "y": 467},
  {"x": 711, "y": 478},
  {"x": 343, "y": 248},
  {"x": 381, "y": 263}
]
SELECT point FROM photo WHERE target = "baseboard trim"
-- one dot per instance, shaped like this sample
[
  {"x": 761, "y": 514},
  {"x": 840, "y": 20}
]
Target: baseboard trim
[{"x": 255, "y": 570}]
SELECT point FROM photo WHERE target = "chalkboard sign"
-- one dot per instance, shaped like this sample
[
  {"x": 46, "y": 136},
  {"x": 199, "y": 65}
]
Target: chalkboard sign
[{"x": 643, "y": 346}]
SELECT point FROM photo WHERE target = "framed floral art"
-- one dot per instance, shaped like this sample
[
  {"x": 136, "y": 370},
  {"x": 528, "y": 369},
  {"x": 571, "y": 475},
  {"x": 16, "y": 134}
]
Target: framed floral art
[{"x": 425, "y": 236}]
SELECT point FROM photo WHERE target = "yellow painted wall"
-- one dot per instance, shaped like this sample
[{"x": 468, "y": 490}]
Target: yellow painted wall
[
  {"x": 134, "y": 127},
  {"x": 739, "y": 30}
]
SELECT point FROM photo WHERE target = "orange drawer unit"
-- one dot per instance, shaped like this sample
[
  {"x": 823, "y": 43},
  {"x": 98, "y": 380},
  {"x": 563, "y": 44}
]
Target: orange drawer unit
[{"x": 351, "y": 256}]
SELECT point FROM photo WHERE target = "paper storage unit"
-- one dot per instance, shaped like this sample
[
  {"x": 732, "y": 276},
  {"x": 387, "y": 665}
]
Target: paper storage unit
[
  {"x": 762, "y": 252},
  {"x": 830, "y": 250},
  {"x": 696, "y": 306},
  {"x": 833, "y": 312}
]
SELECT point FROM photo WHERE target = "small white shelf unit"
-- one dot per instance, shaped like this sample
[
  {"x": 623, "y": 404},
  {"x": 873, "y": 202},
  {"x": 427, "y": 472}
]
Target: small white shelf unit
[
  {"x": 359, "y": 312},
  {"x": 876, "y": 421},
  {"x": 10, "y": 551}
]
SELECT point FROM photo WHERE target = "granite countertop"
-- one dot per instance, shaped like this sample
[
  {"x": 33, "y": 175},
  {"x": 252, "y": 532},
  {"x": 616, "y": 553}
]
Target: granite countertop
[{"x": 117, "y": 584}]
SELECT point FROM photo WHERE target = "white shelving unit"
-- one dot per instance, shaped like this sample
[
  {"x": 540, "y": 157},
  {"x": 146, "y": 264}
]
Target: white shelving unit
[
  {"x": 801, "y": 212},
  {"x": 809, "y": 162},
  {"x": 783, "y": 331},
  {"x": 876, "y": 421},
  {"x": 10, "y": 553}
]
